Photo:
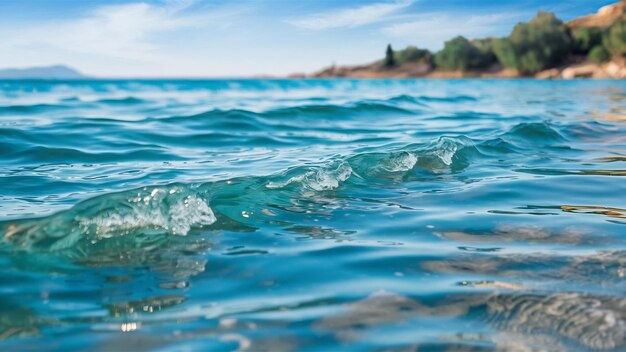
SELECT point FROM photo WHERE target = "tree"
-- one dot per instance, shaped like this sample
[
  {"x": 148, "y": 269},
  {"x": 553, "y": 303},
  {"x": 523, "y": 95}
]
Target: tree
[
  {"x": 459, "y": 54},
  {"x": 505, "y": 53},
  {"x": 587, "y": 38},
  {"x": 534, "y": 46},
  {"x": 389, "y": 59},
  {"x": 599, "y": 54},
  {"x": 412, "y": 54},
  {"x": 485, "y": 46},
  {"x": 615, "y": 38}
]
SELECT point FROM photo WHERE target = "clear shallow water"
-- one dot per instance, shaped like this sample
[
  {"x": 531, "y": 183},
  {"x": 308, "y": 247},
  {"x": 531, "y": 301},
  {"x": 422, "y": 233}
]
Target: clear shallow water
[{"x": 313, "y": 215}]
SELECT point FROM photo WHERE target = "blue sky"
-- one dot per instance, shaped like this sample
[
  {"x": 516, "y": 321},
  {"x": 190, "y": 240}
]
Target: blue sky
[{"x": 201, "y": 38}]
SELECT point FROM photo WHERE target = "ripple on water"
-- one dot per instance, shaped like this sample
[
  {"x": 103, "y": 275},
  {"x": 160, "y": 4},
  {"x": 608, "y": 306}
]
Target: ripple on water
[{"x": 312, "y": 215}]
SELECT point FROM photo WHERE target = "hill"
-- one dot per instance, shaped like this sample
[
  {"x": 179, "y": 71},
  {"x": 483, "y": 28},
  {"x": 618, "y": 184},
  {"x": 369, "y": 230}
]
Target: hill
[
  {"x": 603, "y": 18},
  {"x": 47, "y": 72}
]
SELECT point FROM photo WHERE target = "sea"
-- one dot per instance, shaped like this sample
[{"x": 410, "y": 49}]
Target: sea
[{"x": 313, "y": 215}]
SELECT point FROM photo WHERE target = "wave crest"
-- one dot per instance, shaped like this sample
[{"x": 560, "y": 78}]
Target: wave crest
[
  {"x": 172, "y": 210},
  {"x": 535, "y": 131},
  {"x": 400, "y": 162},
  {"x": 317, "y": 179},
  {"x": 177, "y": 209},
  {"x": 161, "y": 209}
]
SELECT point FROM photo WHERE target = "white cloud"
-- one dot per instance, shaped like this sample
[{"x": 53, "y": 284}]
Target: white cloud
[
  {"x": 125, "y": 31},
  {"x": 351, "y": 18},
  {"x": 431, "y": 30}
]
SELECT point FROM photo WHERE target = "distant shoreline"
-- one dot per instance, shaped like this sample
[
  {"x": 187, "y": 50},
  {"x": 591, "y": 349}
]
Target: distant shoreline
[
  {"x": 591, "y": 46},
  {"x": 584, "y": 70},
  {"x": 308, "y": 78}
]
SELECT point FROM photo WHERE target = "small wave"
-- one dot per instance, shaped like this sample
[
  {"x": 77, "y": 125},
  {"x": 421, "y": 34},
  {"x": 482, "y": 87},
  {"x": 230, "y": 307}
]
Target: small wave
[
  {"x": 535, "y": 131},
  {"x": 211, "y": 117},
  {"x": 176, "y": 209},
  {"x": 29, "y": 109},
  {"x": 330, "y": 111},
  {"x": 590, "y": 130},
  {"x": 498, "y": 146},
  {"x": 448, "y": 153},
  {"x": 122, "y": 101},
  {"x": 61, "y": 154},
  {"x": 71, "y": 99},
  {"x": 451, "y": 99},
  {"x": 333, "y": 110},
  {"x": 443, "y": 155},
  {"x": 317, "y": 179},
  {"x": 171, "y": 210},
  {"x": 287, "y": 118},
  {"x": 400, "y": 162},
  {"x": 406, "y": 99},
  {"x": 160, "y": 209},
  {"x": 446, "y": 150}
]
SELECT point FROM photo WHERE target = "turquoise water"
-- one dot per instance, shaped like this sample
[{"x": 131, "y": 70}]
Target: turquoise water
[{"x": 313, "y": 215}]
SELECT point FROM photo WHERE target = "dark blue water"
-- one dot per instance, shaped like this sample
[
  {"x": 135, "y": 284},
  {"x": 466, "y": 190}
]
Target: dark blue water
[{"x": 284, "y": 215}]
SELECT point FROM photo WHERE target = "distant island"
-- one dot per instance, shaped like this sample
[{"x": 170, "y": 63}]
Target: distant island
[
  {"x": 592, "y": 46},
  {"x": 47, "y": 72}
]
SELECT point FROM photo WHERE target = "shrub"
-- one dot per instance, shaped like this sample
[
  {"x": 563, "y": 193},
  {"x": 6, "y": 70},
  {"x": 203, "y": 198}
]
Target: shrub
[
  {"x": 412, "y": 54},
  {"x": 615, "y": 38},
  {"x": 599, "y": 54},
  {"x": 587, "y": 38},
  {"x": 389, "y": 59},
  {"x": 505, "y": 53},
  {"x": 459, "y": 54},
  {"x": 534, "y": 46},
  {"x": 485, "y": 46}
]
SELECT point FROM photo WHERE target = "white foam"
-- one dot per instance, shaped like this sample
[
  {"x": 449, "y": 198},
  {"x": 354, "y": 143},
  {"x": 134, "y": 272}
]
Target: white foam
[
  {"x": 446, "y": 150},
  {"x": 322, "y": 179},
  {"x": 404, "y": 161},
  {"x": 158, "y": 209}
]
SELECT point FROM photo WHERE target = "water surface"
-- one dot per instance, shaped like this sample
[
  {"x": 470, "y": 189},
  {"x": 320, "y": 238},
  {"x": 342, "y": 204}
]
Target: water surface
[{"x": 313, "y": 215}]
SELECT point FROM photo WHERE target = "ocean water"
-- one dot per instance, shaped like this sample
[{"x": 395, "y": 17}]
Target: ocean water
[{"x": 313, "y": 215}]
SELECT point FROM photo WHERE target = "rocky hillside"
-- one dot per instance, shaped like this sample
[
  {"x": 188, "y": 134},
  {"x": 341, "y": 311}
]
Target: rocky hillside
[{"x": 603, "y": 18}]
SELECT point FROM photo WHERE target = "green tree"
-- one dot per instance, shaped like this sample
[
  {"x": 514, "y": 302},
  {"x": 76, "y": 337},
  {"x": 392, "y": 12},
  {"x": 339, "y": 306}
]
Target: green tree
[
  {"x": 459, "y": 54},
  {"x": 412, "y": 54},
  {"x": 485, "y": 46},
  {"x": 599, "y": 54},
  {"x": 615, "y": 38},
  {"x": 389, "y": 59},
  {"x": 505, "y": 52},
  {"x": 534, "y": 46},
  {"x": 587, "y": 38}
]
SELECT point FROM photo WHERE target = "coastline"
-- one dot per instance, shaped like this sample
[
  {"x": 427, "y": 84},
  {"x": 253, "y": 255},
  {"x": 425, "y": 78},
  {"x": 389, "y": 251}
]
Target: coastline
[
  {"x": 574, "y": 64},
  {"x": 584, "y": 69}
]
